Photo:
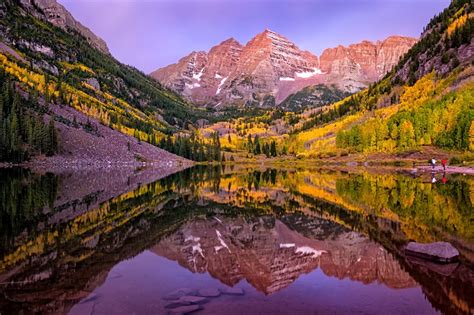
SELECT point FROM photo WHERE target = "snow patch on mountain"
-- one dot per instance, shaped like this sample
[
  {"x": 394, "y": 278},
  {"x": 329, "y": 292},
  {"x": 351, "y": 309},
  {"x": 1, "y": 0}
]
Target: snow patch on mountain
[
  {"x": 193, "y": 85},
  {"x": 197, "y": 76},
  {"x": 191, "y": 238},
  {"x": 308, "y": 74},
  {"x": 220, "y": 85}
]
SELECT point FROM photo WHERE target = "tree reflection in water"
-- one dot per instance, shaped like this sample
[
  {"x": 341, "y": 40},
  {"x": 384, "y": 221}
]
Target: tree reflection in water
[{"x": 56, "y": 248}]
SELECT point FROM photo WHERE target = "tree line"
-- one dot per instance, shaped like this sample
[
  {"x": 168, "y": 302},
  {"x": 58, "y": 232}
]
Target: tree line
[
  {"x": 447, "y": 122},
  {"x": 23, "y": 131},
  {"x": 255, "y": 146},
  {"x": 193, "y": 148}
]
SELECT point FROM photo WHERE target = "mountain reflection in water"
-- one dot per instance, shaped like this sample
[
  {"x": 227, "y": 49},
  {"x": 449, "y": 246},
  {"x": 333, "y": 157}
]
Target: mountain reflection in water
[{"x": 65, "y": 237}]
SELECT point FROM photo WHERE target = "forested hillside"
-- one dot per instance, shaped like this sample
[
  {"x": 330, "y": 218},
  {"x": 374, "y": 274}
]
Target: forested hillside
[
  {"x": 65, "y": 55},
  {"x": 23, "y": 131},
  {"x": 427, "y": 99},
  {"x": 45, "y": 66}
]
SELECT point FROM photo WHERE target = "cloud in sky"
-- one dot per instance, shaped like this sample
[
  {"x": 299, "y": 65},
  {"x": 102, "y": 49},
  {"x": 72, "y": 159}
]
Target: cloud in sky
[{"x": 153, "y": 33}]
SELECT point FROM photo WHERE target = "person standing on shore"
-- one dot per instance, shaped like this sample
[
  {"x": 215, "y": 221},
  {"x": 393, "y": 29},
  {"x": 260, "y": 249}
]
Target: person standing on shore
[
  {"x": 444, "y": 162},
  {"x": 433, "y": 163}
]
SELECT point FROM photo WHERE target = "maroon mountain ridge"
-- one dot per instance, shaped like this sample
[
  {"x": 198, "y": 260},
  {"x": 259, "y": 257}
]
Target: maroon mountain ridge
[{"x": 270, "y": 65}]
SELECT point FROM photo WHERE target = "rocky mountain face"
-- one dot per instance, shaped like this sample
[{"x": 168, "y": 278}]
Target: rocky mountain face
[
  {"x": 201, "y": 74},
  {"x": 269, "y": 68},
  {"x": 271, "y": 256},
  {"x": 56, "y": 14},
  {"x": 352, "y": 67}
]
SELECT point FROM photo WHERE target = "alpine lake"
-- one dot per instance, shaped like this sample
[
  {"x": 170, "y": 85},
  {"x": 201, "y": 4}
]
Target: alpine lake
[{"x": 233, "y": 240}]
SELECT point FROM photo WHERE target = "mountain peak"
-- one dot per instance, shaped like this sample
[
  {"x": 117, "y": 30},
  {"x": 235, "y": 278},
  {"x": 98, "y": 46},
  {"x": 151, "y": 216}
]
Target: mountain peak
[
  {"x": 267, "y": 30},
  {"x": 230, "y": 41},
  {"x": 270, "y": 34},
  {"x": 270, "y": 39}
]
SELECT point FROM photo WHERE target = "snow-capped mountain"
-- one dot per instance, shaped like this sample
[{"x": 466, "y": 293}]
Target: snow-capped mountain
[{"x": 270, "y": 67}]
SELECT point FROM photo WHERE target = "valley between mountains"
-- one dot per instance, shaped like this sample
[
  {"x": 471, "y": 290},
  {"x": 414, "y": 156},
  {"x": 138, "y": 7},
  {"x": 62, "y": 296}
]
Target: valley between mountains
[
  {"x": 254, "y": 177},
  {"x": 67, "y": 102}
]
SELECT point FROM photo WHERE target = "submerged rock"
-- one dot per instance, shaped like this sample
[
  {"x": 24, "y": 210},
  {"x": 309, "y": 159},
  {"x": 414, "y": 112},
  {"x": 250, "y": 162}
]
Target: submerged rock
[
  {"x": 233, "y": 291},
  {"x": 209, "y": 292},
  {"x": 176, "y": 304},
  {"x": 175, "y": 295},
  {"x": 185, "y": 309},
  {"x": 438, "y": 251},
  {"x": 193, "y": 299}
]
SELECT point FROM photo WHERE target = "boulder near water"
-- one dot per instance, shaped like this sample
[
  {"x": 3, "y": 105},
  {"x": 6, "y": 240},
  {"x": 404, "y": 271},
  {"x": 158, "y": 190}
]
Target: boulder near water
[{"x": 438, "y": 251}]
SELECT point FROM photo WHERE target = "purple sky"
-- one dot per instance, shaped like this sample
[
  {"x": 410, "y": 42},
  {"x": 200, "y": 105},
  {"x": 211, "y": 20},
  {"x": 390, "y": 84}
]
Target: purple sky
[{"x": 149, "y": 34}]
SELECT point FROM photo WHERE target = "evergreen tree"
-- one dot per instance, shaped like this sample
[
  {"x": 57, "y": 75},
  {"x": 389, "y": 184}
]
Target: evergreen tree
[
  {"x": 59, "y": 88},
  {"x": 169, "y": 144},
  {"x": 52, "y": 138},
  {"x": 257, "y": 148},
  {"x": 273, "y": 150},
  {"x": 250, "y": 143},
  {"x": 201, "y": 154},
  {"x": 266, "y": 149},
  {"x": 46, "y": 90}
]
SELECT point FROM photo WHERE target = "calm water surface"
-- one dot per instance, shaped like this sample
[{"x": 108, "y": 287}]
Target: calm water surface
[{"x": 283, "y": 241}]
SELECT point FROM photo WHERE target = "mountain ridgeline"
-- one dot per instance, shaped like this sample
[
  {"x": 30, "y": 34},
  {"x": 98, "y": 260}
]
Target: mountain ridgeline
[{"x": 269, "y": 68}]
